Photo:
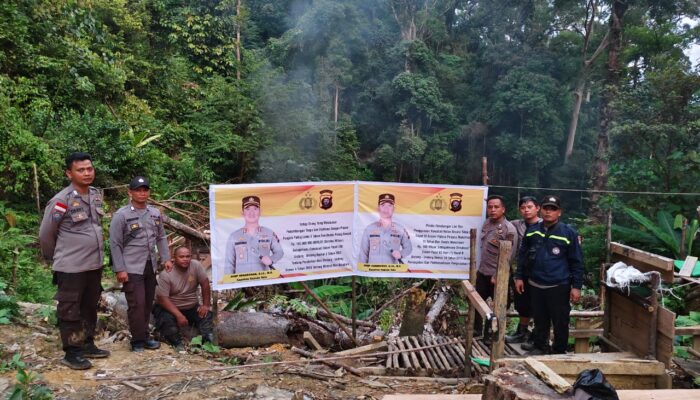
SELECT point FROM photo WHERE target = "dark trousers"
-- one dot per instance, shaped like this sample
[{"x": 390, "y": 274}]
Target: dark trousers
[
  {"x": 522, "y": 302},
  {"x": 551, "y": 308},
  {"x": 140, "y": 290},
  {"x": 166, "y": 323},
  {"x": 485, "y": 289},
  {"x": 78, "y": 295}
]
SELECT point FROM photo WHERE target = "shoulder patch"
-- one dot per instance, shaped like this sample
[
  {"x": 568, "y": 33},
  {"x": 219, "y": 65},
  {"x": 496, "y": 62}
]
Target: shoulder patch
[{"x": 60, "y": 207}]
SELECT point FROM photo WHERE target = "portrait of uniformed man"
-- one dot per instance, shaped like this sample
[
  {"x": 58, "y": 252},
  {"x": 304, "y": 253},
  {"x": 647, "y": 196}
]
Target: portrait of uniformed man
[
  {"x": 385, "y": 241},
  {"x": 253, "y": 247}
]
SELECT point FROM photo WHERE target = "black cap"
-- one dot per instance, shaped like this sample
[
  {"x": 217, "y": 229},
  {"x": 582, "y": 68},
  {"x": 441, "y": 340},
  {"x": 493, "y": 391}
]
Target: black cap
[
  {"x": 139, "y": 181},
  {"x": 250, "y": 201},
  {"x": 386, "y": 198},
  {"x": 551, "y": 201}
]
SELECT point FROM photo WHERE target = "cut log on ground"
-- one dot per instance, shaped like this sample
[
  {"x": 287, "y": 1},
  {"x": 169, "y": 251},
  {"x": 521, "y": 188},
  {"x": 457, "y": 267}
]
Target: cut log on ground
[
  {"x": 243, "y": 329},
  {"x": 414, "y": 313}
]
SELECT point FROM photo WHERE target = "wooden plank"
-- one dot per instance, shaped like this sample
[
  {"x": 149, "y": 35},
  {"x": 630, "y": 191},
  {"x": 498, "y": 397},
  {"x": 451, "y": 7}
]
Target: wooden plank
[
  {"x": 500, "y": 298},
  {"x": 413, "y": 355},
  {"x": 624, "y": 363},
  {"x": 647, "y": 382},
  {"x": 476, "y": 301},
  {"x": 404, "y": 355},
  {"x": 665, "y": 336},
  {"x": 551, "y": 378},
  {"x": 585, "y": 333},
  {"x": 629, "y": 324},
  {"x": 370, "y": 348},
  {"x": 389, "y": 364},
  {"x": 687, "y": 330},
  {"x": 433, "y": 397},
  {"x": 581, "y": 343},
  {"x": 311, "y": 342},
  {"x": 643, "y": 260},
  {"x": 669, "y": 394},
  {"x": 696, "y": 342},
  {"x": 688, "y": 266},
  {"x": 422, "y": 355}
]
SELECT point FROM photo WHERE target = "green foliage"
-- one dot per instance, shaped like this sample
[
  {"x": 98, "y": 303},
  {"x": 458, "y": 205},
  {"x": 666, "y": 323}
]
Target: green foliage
[
  {"x": 15, "y": 363},
  {"x": 667, "y": 230},
  {"x": 196, "y": 344},
  {"x": 48, "y": 315},
  {"x": 242, "y": 303},
  {"x": 594, "y": 252},
  {"x": 27, "y": 387}
]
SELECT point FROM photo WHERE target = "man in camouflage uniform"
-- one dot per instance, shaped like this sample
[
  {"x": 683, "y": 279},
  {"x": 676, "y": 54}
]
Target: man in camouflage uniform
[
  {"x": 253, "y": 247},
  {"x": 385, "y": 241},
  {"x": 137, "y": 239},
  {"x": 71, "y": 239}
]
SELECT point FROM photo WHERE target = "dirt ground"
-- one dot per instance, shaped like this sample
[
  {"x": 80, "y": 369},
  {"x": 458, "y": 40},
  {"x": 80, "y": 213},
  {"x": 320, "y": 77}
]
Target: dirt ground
[{"x": 123, "y": 374}]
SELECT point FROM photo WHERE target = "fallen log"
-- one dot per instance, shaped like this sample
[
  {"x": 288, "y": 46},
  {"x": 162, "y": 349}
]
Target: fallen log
[
  {"x": 184, "y": 229},
  {"x": 435, "y": 310},
  {"x": 243, "y": 329}
]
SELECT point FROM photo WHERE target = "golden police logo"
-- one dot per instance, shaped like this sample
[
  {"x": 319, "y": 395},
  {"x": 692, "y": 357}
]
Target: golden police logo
[
  {"x": 326, "y": 200},
  {"x": 437, "y": 203},
  {"x": 307, "y": 202},
  {"x": 455, "y": 202}
]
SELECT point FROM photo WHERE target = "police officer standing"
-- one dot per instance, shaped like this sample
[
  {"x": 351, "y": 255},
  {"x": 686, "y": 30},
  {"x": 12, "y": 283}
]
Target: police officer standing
[
  {"x": 495, "y": 228},
  {"x": 137, "y": 239},
  {"x": 551, "y": 259},
  {"x": 385, "y": 241},
  {"x": 253, "y": 247},
  {"x": 71, "y": 239}
]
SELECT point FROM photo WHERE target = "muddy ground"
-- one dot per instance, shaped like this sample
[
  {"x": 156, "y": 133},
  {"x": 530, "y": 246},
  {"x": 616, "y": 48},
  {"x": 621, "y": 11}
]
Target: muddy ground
[{"x": 122, "y": 375}]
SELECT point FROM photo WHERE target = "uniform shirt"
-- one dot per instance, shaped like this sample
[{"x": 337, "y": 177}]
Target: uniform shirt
[
  {"x": 378, "y": 242},
  {"x": 180, "y": 286},
  {"x": 134, "y": 235},
  {"x": 558, "y": 258},
  {"x": 520, "y": 227},
  {"x": 491, "y": 234},
  {"x": 244, "y": 249},
  {"x": 71, "y": 231}
]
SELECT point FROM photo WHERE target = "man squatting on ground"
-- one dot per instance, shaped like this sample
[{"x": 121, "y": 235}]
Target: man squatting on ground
[
  {"x": 495, "y": 228},
  {"x": 551, "y": 260},
  {"x": 529, "y": 209},
  {"x": 178, "y": 305},
  {"x": 71, "y": 239},
  {"x": 137, "y": 240}
]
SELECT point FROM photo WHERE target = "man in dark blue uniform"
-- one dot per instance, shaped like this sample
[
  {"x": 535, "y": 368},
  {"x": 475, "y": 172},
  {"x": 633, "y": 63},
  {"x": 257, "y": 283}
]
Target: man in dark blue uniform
[{"x": 551, "y": 259}]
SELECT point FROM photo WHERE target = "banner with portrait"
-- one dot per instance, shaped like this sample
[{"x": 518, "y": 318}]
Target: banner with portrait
[
  {"x": 415, "y": 230},
  {"x": 303, "y": 232},
  {"x": 284, "y": 232}
]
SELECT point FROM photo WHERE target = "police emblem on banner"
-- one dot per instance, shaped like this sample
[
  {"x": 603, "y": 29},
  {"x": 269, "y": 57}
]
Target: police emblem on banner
[
  {"x": 455, "y": 202},
  {"x": 307, "y": 202},
  {"x": 326, "y": 201},
  {"x": 437, "y": 203}
]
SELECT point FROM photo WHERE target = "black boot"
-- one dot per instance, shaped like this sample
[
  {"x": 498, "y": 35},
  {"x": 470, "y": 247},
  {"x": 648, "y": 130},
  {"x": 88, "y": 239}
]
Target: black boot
[
  {"x": 89, "y": 350},
  {"x": 75, "y": 361},
  {"x": 520, "y": 336}
]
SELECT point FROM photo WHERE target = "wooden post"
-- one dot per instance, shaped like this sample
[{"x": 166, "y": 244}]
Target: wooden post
[
  {"x": 471, "y": 314},
  {"x": 696, "y": 342},
  {"x": 500, "y": 300},
  {"x": 330, "y": 314},
  {"x": 354, "y": 307},
  {"x": 581, "y": 344},
  {"x": 484, "y": 171}
]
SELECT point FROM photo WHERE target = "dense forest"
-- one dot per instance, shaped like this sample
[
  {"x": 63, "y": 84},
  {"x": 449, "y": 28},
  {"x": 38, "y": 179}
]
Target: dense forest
[{"x": 593, "y": 95}]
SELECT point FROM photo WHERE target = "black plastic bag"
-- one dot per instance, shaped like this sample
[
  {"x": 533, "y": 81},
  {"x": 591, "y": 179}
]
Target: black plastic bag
[{"x": 592, "y": 382}]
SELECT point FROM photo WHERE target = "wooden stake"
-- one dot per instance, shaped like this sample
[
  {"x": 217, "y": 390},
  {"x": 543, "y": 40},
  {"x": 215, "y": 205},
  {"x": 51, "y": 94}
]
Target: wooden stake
[
  {"x": 500, "y": 300},
  {"x": 472, "y": 312}
]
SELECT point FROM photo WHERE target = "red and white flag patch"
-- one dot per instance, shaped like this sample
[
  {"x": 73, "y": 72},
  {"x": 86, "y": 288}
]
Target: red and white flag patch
[{"x": 60, "y": 207}]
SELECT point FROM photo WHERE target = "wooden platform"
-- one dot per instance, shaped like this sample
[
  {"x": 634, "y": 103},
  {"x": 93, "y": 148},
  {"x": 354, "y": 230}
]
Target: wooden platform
[
  {"x": 666, "y": 394},
  {"x": 624, "y": 370}
]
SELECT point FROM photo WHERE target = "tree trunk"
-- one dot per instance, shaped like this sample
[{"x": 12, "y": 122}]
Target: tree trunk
[
  {"x": 599, "y": 176},
  {"x": 244, "y": 329},
  {"x": 238, "y": 39},
  {"x": 414, "y": 314}
]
